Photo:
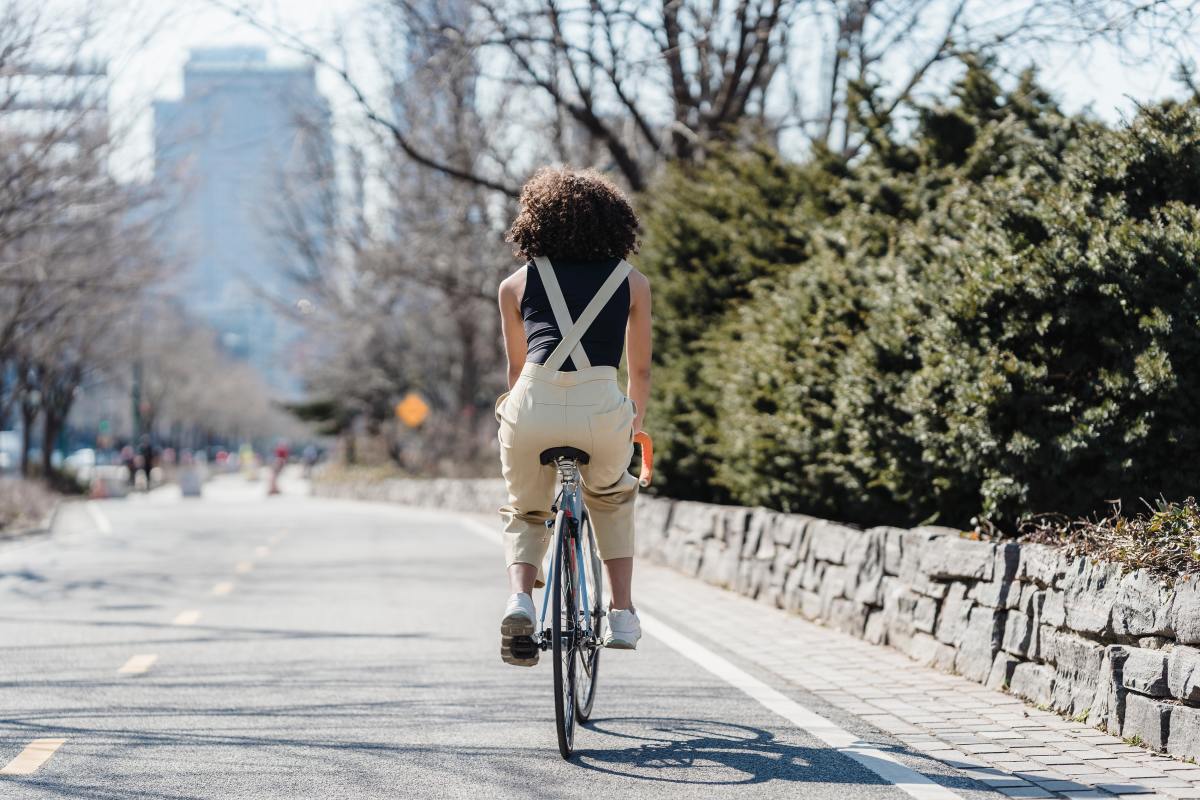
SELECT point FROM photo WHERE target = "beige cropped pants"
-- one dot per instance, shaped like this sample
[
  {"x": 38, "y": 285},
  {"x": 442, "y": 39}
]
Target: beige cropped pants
[{"x": 584, "y": 409}]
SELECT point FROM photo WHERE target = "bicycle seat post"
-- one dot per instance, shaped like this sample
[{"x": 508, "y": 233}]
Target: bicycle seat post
[{"x": 568, "y": 470}]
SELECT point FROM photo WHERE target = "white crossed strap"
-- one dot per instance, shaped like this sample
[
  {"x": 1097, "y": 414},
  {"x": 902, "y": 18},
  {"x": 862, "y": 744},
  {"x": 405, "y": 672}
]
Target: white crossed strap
[{"x": 573, "y": 330}]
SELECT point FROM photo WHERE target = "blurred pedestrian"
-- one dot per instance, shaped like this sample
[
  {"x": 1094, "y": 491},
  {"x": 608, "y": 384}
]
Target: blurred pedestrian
[
  {"x": 310, "y": 459},
  {"x": 129, "y": 462},
  {"x": 281, "y": 458},
  {"x": 146, "y": 457}
]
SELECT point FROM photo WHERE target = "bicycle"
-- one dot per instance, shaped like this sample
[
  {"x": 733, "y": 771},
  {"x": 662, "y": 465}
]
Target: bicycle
[{"x": 575, "y": 594}]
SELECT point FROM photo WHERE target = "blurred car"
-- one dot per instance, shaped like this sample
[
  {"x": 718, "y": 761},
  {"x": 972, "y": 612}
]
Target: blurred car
[{"x": 81, "y": 464}]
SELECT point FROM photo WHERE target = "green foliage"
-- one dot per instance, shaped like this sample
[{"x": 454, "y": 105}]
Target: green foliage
[
  {"x": 332, "y": 417},
  {"x": 709, "y": 232},
  {"x": 994, "y": 314}
]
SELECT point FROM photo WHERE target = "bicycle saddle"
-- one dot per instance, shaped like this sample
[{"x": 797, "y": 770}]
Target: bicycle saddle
[{"x": 573, "y": 453}]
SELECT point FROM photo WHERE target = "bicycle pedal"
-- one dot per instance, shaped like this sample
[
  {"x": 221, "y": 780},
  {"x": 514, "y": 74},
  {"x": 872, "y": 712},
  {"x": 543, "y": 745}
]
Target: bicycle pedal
[{"x": 524, "y": 647}]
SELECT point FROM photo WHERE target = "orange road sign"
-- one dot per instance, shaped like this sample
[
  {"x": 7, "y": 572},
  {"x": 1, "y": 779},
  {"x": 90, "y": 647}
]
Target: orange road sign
[{"x": 412, "y": 410}]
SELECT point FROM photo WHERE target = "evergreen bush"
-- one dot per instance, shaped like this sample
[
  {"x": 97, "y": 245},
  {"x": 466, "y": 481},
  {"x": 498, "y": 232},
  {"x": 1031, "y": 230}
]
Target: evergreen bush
[{"x": 995, "y": 314}]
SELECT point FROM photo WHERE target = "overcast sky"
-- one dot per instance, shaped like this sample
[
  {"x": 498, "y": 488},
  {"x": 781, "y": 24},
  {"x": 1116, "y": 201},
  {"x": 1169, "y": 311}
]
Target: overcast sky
[{"x": 150, "y": 43}]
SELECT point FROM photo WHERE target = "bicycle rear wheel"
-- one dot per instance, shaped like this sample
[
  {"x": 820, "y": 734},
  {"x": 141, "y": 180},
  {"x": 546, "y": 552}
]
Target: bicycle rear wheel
[
  {"x": 589, "y": 656},
  {"x": 564, "y": 621}
]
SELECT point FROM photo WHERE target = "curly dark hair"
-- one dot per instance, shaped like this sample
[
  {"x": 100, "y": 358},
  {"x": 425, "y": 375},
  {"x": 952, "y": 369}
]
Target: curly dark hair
[{"x": 573, "y": 214}]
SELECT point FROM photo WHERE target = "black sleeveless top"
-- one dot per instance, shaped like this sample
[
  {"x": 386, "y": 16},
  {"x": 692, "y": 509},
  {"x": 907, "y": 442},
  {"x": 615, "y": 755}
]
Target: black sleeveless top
[{"x": 604, "y": 341}]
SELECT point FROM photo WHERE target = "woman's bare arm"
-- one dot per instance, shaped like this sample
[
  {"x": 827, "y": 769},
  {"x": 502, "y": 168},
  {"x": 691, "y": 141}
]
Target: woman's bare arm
[
  {"x": 638, "y": 348},
  {"x": 512, "y": 325}
]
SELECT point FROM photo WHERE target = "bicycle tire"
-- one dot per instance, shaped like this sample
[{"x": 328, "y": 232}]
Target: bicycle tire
[
  {"x": 565, "y": 642},
  {"x": 589, "y": 659}
]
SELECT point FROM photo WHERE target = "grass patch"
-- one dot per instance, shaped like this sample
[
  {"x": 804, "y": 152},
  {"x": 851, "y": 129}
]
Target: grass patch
[{"x": 23, "y": 504}]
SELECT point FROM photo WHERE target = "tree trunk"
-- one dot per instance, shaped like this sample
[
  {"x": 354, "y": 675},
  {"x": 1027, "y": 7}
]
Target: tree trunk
[
  {"x": 468, "y": 387},
  {"x": 28, "y": 418},
  {"x": 52, "y": 425}
]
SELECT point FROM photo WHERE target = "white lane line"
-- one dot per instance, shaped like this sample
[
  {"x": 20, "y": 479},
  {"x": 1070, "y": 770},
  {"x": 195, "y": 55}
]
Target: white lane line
[
  {"x": 868, "y": 755},
  {"x": 276, "y": 539},
  {"x": 242, "y": 567},
  {"x": 190, "y": 617},
  {"x": 35, "y": 754},
  {"x": 881, "y": 763},
  {"x": 138, "y": 664},
  {"x": 262, "y": 551},
  {"x": 222, "y": 588},
  {"x": 98, "y": 518}
]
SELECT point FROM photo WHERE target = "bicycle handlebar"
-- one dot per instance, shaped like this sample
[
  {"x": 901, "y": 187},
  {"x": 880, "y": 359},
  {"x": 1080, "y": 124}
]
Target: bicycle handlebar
[{"x": 647, "y": 444}]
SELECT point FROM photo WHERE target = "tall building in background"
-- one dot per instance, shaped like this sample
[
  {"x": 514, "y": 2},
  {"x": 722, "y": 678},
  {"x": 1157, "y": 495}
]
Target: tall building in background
[{"x": 240, "y": 158}]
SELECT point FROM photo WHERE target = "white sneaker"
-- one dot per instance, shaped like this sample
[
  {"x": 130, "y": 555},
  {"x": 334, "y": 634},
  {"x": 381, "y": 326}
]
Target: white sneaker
[
  {"x": 624, "y": 629},
  {"x": 517, "y": 645}
]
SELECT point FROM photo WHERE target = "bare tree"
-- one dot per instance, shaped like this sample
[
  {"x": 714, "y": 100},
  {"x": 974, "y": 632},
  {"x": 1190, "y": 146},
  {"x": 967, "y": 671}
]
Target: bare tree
[
  {"x": 402, "y": 294},
  {"x": 477, "y": 91},
  {"x": 75, "y": 250},
  {"x": 634, "y": 84}
]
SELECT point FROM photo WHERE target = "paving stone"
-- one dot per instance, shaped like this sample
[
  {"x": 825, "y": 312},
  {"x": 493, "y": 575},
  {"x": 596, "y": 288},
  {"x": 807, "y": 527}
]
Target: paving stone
[
  {"x": 1076, "y": 771},
  {"x": 1131, "y": 788},
  {"x": 1024, "y": 791},
  {"x": 1138, "y": 772},
  {"x": 1037, "y": 775},
  {"x": 1057, "y": 760},
  {"x": 1001, "y": 781}
]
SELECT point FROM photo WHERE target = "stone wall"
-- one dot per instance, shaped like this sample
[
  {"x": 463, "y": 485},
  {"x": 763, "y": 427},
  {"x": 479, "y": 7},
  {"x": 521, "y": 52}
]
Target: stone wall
[
  {"x": 1115, "y": 648},
  {"x": 483, "y": 495},
  {"x": 1119, "y": 649}
]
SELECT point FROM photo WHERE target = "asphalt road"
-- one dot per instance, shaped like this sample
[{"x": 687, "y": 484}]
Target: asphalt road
[{"x": 237, "y": 646}]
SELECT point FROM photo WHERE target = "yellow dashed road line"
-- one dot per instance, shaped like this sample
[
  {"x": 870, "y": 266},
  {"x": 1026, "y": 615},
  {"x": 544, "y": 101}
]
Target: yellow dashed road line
[
  {"x": 242, "y": 567},
  {"x": 38, "y": 752},
  {"x": 262, "y": 551},
  {"x": 138, "y": 664},
  {"x": 190, "y": 617},
  {"x": 223, "y": 588}
]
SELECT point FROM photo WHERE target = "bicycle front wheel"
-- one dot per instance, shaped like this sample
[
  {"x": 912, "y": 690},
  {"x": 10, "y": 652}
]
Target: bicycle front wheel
[
  {"x": 592, "y": 580},
  {"x": 564, "y": 619}
]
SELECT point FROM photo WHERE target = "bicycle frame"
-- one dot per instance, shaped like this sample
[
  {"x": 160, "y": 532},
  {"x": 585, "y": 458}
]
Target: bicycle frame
[{"x": 570, "y": 501}]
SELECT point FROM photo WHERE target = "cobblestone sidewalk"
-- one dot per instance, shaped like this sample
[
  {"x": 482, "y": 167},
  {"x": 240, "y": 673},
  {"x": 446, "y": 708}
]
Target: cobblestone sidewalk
[{"x": 993, "y": 737}]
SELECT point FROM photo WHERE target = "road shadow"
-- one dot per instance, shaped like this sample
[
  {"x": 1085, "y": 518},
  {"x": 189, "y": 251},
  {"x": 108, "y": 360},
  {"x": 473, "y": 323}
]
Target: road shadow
[{"x": 708, "y": 752}]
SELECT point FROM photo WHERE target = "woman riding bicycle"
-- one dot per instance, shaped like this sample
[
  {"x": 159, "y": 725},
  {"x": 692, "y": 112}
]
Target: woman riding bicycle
[{"x": 574, "y": 229}]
